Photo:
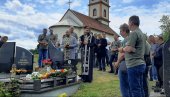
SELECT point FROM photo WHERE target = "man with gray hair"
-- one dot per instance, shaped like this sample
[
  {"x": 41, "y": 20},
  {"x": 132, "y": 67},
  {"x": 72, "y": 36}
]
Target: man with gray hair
[
  {"x": 53, "y": 37},
  {"x": 122, "y": 70},
  {"x": 134, "y": 57},
  {"x": 71, "y": 29}
]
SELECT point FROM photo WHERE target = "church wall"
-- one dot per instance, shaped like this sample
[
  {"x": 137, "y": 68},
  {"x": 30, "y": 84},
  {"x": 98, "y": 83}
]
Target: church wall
[
  {"x": 69, "y": 15},
  {"x": 60, "y": 31}
]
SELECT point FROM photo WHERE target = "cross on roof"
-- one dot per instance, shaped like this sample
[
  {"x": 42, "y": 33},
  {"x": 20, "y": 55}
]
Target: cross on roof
[{"x": 69, "y": 3}]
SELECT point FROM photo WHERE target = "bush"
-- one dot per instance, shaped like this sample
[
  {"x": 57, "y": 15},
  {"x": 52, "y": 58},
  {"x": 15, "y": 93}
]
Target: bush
[
  {"x": 165, "y": 27},
  {"x": 11, "y": 89}
]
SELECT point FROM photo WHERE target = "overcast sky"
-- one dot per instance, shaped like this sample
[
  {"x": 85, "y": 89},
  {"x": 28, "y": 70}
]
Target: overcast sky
[{"x": 23, "y": 20}]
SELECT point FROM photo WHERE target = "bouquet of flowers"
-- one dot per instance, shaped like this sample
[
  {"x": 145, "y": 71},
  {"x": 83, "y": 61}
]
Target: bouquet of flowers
[
  {"x": 47, "y": 62},
  {"x": 63, "y": 72}
]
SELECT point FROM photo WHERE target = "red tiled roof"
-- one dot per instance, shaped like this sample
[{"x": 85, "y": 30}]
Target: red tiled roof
[{"x": 88, "y": 21}]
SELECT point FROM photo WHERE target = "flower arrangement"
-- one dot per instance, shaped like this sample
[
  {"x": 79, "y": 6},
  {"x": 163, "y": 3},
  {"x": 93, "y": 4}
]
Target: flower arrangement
[
  {"x": 47, "y": 62},
  {"x": 51, "y": 74}
]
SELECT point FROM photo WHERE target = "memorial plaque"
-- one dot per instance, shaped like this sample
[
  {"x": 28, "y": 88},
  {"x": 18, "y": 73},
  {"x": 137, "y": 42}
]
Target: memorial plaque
[
  {"x": 166, "y": 67},
  {"x": 7, "y": 52},
  {"x": 24, "y": 59},
  {"x": 54, "y": 54}
]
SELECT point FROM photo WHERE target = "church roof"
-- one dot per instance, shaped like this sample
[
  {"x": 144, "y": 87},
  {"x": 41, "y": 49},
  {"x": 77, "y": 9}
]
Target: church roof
[{"x": 88, "y": 21}]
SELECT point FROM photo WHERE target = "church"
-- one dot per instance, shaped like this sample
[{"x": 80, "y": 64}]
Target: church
[{"x": 98, "y": 20}]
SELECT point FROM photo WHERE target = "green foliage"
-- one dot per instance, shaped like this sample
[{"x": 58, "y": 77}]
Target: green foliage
[
  {"x": 34, "y": 51},
  {"x": 165, "y": 27},
  {"x": 11, "y": 89}
]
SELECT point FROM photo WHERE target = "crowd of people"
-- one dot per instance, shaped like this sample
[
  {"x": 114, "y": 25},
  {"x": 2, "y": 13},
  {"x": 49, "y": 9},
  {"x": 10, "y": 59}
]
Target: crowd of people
[{"x": 134, "y": 58}]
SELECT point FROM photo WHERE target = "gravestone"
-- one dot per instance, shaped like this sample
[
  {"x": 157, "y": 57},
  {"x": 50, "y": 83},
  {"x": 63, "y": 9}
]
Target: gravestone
[
  {"x": 166, "y": 68},
  {"x": 7, "y": 52},
  {"x": 24, "y": 59},
  {"x": 54, "y": 54}
]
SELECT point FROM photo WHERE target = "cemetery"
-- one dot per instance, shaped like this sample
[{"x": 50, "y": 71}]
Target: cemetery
[
  {"x": 18, "y": 65},
  {"x": 94, "y": 55}
]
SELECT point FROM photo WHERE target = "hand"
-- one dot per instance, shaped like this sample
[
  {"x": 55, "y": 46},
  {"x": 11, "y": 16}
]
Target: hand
[
  {"x": 99, "y": 45},
  {"x": 113, "y": 50},
  {"x": 153, "y": 54},
  {"x": 81, "y": 42},
  {"x": 116, "y": 65},
  {"x": 109, "y": 43},
  {"x": 120, "y": 49},
  {"x": 67, "y": 46},
  {"x": 85, "y": 42}
]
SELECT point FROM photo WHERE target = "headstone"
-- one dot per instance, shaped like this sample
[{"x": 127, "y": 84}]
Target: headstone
[
  {"x": 166, "y": 68},
  {"x": 7, "y": 52},
  {"x": 24, "y": 59},
  {"x": 54, "y": 54}
]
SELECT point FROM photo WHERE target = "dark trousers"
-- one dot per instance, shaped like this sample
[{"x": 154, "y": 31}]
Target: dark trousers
[
  {"x": 107, "y": 57},
  {"x": 158, "y": 67},
  {"x": 145, "y": 81},
  {"x": 135, "y": 78},
  {"x": 101, "y": 62},
  {"x": 42, "y": 56},
  {"x": 113, "y": 58}
]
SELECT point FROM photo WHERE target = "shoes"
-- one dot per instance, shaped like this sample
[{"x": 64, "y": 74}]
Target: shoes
[
  {"x": 104, "y": 70},
  {"x": 111, "y": 71},
  {"x": 99, "y": 70},
  {"x": 157, "y": 89},
  {"x": 162, "y": 91}
]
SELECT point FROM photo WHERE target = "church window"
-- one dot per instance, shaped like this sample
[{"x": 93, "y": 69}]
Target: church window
[
  {"x": 94, "y": 12},
  {"x": 104, "y": 13}
]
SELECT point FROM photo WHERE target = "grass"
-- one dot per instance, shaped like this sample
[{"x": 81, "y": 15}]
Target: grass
[{"x": 103, "y": 85}]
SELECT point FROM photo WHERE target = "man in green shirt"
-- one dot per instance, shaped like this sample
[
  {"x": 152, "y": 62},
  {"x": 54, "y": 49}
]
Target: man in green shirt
[
  {"x": 134, "y": 57},
  {"x": 122, "y": 71}
]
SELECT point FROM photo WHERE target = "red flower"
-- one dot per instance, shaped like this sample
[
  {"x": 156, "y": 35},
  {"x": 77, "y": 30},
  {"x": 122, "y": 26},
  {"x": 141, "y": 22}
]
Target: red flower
[
  {"x": 62, "y": 70},
  {"x": 47, "y": 62}
]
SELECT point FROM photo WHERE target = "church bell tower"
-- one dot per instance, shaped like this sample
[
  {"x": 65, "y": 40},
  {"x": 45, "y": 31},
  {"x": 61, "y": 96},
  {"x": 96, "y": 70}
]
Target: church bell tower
[{"x": 99, "y": 10}]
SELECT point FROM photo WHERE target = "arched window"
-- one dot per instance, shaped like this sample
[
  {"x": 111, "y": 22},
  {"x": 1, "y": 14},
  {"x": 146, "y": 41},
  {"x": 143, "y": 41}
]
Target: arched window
[
  {"x": 94, "y": 12},
  {"x": 104, "y": 13}
]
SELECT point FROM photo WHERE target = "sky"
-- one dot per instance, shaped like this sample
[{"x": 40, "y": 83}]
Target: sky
[{"x": 23, "y": 20}]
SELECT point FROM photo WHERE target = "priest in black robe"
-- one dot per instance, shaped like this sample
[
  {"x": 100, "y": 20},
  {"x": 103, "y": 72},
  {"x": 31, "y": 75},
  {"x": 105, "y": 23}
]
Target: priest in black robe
[{"x": 87, "y": 43}]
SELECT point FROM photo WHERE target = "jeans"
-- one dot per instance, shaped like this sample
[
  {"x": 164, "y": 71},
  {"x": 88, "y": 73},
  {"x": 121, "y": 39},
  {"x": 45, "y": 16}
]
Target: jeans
[
  {"x": 42, "y": 56},
  {"x": 135, "y": 78},
  {"x": 124, "y": 84},
  {"x": 154, "y": 71}
]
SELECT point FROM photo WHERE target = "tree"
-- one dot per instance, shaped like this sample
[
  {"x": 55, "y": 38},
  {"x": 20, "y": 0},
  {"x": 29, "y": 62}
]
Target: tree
[{"x": 165, "y": 27}]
